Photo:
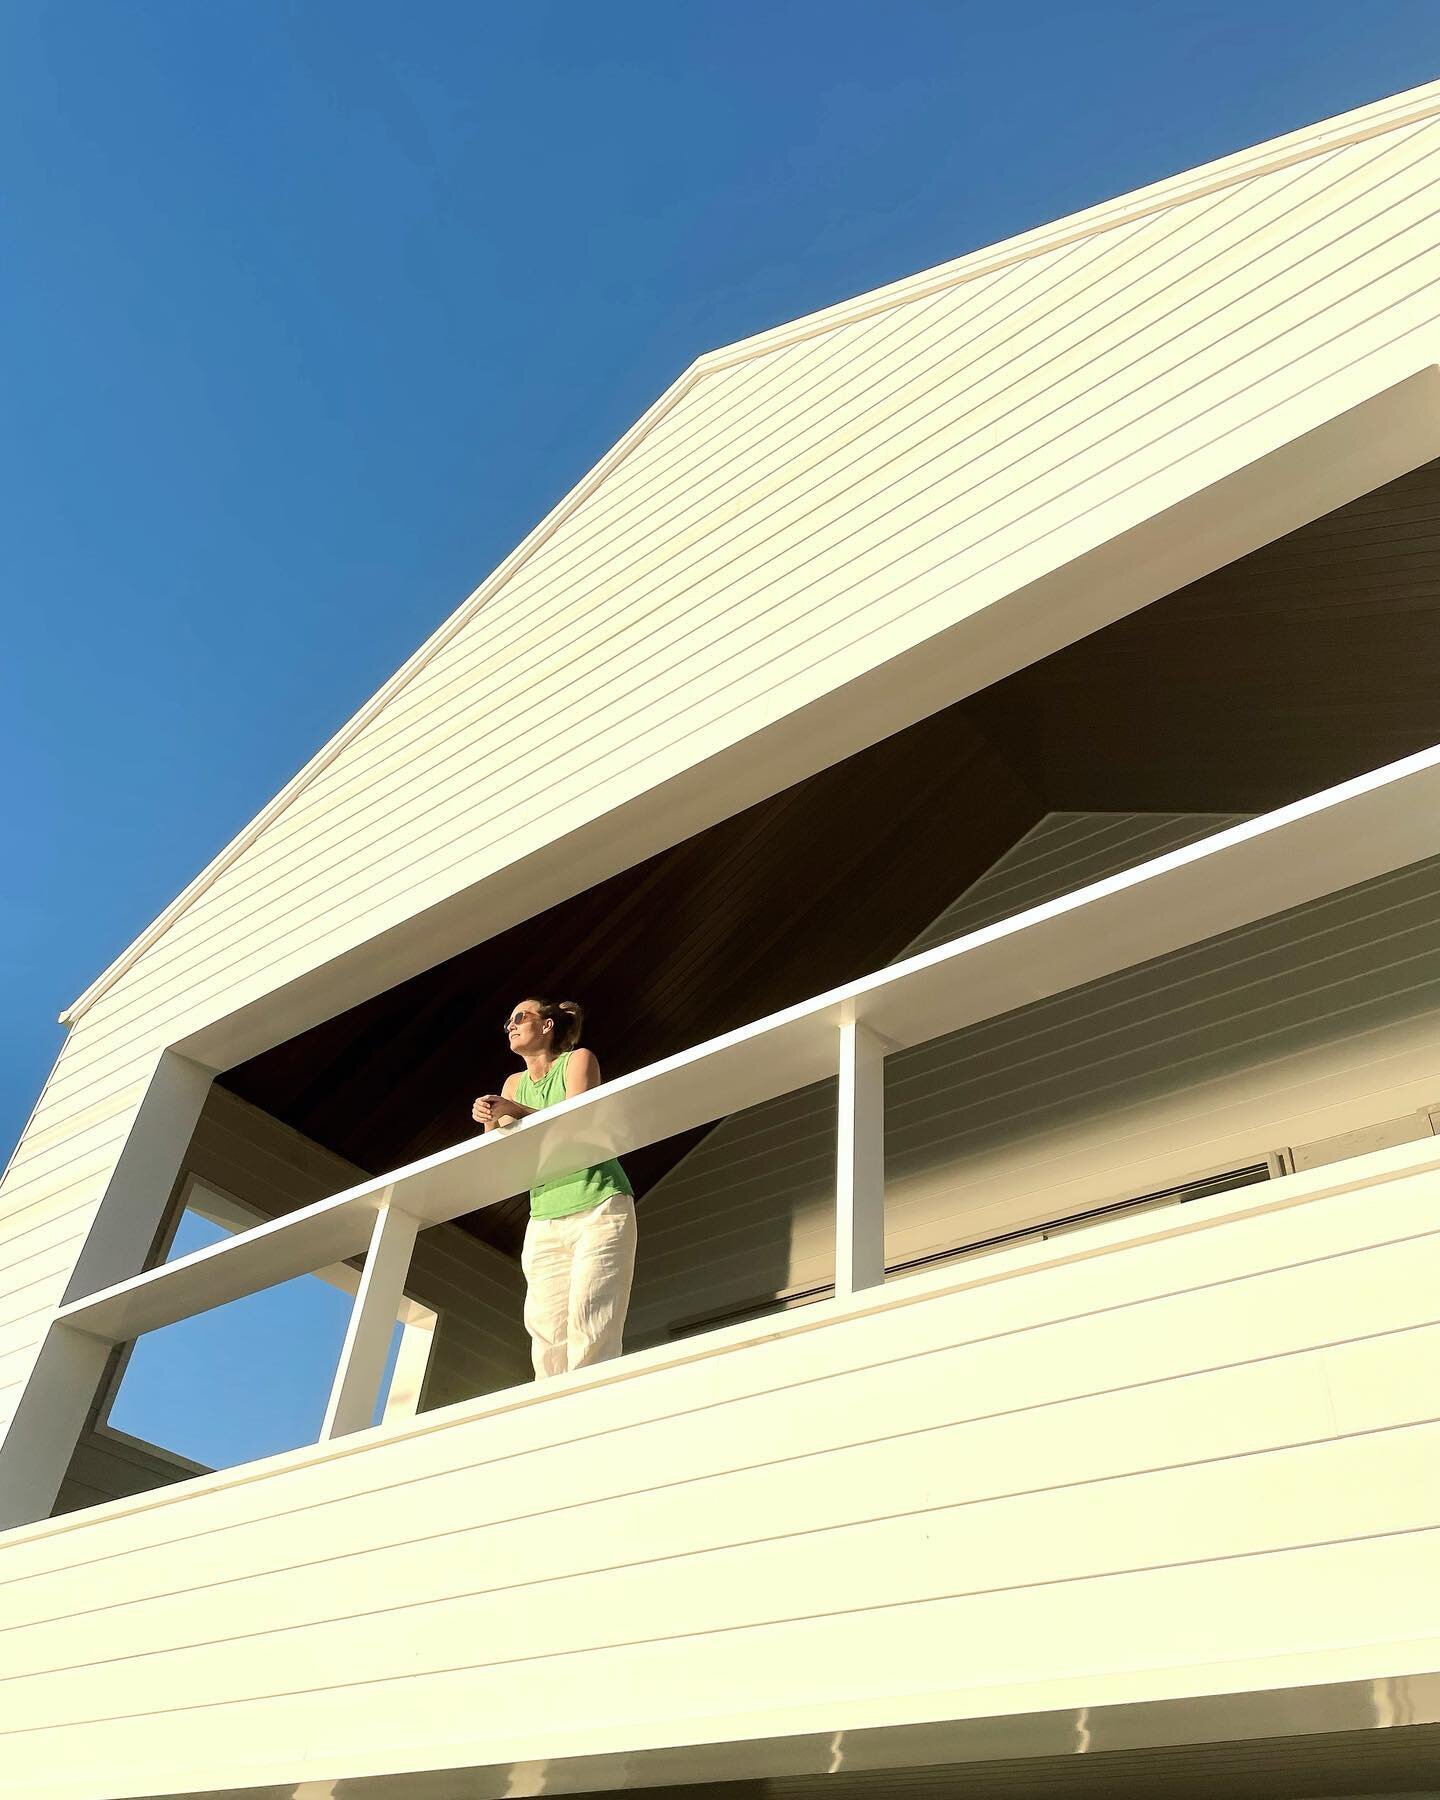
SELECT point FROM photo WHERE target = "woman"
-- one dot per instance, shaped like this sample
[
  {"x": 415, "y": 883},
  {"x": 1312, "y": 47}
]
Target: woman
[{"x": 579, "y": 1254}]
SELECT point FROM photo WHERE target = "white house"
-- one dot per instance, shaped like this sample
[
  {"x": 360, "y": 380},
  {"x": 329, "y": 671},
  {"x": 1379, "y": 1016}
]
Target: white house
[{"x": 993, "y": 810}]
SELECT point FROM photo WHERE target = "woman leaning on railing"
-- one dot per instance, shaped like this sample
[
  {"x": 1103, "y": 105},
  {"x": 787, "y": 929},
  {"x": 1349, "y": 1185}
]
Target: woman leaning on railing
[{"x": 579, "y": 1252}]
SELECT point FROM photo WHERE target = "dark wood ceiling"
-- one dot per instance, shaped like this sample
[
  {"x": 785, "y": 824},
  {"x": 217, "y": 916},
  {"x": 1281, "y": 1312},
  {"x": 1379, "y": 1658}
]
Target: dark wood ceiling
[
  {"x": 1313, "y": 659},
  {"x": 821, "y": 883},
  {"x": 1304, "y": 663}
]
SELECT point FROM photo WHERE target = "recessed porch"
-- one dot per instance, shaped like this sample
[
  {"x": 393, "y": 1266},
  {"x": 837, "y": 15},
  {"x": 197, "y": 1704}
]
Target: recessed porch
[{"x": 1303, "y": 664}]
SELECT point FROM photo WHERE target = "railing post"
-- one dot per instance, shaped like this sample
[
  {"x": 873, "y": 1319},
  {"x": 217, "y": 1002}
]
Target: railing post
[
  {"x": 860, "y": 1162},
  {"x": 372, "y": 1319}
]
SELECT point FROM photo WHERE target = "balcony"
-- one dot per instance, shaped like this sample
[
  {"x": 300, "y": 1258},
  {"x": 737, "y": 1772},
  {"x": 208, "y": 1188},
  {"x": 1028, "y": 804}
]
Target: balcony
[
  {"x": 1166, "y": 1479},
  {"x": 1312, "y": 848}
]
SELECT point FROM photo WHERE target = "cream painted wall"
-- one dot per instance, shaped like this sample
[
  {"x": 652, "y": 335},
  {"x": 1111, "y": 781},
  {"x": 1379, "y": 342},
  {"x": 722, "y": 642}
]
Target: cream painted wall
[
  {"x": 1298, "y": 1028},
  {"x": 895, "y": 504},
  {"x": 1180, "y": 1462},
  {"x": 842, "y": 492}
]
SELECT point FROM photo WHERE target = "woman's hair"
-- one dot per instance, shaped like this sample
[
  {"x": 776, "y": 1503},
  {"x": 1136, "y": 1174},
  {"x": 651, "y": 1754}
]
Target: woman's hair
[{"x": 568, "y": 1018}]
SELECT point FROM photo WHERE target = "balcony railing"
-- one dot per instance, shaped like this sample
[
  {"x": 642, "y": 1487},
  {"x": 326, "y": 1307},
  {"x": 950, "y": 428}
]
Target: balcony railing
[{"x": 1332, "y": 840}]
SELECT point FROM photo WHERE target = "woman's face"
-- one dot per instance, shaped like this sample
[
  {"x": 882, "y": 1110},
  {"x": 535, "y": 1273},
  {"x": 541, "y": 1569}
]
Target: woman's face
[{"x": 525, "y": 1031}]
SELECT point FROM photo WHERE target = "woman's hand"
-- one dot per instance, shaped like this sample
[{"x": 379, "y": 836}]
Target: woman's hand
[{"x": 490, "y": 1109}]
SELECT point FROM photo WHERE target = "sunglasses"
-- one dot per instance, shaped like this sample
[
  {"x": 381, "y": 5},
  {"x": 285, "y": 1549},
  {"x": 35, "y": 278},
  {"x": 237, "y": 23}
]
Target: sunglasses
[{"x": 518, "y": 1018}]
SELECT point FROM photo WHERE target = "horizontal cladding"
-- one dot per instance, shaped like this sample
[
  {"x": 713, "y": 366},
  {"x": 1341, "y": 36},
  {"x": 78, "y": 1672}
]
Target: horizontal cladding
[
  {"x": 980, "y": 1543},
  {"x": 28, "y": 1322},
  {"x": 30, "y": 1200},
  {"x": 1143, "y": 1078},
  {"x": 750, "y": 1211},
  {"x": 48, "y": 1199},
  {"x": 109, "y": 1467},
  {"x": 1226, "y": 1441},
  {"x": 942, "y": 437},
  {"x": 480, "y": 1342},
  {"x": 56, "y": 1132},
  {"x": 54, "y": 1253},
  {"x": 398, "y": 710},
  {"x": 1065, "y": 852},
  {"x": 1380, "y": 1581},
  {"x": 649, "y": 628},
  {"x": 15, "y": 1367},
  {"x": 73, "y": 1111}
]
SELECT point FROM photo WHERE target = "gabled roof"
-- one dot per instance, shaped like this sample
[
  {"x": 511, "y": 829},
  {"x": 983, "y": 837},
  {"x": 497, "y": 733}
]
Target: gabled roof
[{"x": 1105, "y": 235}]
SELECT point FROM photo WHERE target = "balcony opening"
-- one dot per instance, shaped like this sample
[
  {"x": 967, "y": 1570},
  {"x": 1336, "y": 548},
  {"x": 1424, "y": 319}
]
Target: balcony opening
[
  {"x": 1294, "y": 668},
  {"x": 247, "y": 1380}
]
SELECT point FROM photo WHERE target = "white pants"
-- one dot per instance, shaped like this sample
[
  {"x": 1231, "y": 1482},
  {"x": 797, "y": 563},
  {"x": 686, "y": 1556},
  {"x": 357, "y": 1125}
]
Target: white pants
[{"x": 578, "y": 1270}]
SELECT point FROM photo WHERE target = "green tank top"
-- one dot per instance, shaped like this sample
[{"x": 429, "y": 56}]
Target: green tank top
[{"x": 567, "y": 1193}]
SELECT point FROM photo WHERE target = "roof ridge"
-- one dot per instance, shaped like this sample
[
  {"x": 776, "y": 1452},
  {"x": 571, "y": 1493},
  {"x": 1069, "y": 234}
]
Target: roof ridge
[{"x": 1391, "y": 114}]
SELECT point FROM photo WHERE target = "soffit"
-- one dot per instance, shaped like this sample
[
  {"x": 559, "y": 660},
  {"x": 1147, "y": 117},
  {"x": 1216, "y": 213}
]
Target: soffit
[
  {"x": 810, "y": 889},
  {"x": 1308, "y": 661},
  {"x": 1344, "y": 1764},
  {"x": 1312, "y": 660}
]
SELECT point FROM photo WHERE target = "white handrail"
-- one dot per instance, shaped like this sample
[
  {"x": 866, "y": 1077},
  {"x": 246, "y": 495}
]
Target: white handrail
[{"x": 1360, "y": 829}]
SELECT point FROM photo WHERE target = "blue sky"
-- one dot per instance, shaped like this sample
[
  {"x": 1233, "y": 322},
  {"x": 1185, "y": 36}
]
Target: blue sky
[
  {"x": 308, "y": 312},
  {"x": 247, "y": 1381}
]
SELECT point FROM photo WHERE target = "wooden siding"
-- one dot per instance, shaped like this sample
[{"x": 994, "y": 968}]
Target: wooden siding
[
  {"x": 1180, "y": 1463},
  {"x": 801, "y": 517},
  {"x": 109, "y": 1465},
  {"x": 48, "y": 1198},
  {"x": 1317, "y": 1021},
  {"x": 840, "y": 493}
]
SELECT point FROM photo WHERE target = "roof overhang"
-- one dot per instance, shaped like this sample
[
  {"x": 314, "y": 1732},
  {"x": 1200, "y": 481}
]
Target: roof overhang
[
  {"x": 1127, "y": 558},
  {"x": 1046, "y": 585},
  {"x": 1350, "y": 833},
  {"x": 1387, "y": 1724}
]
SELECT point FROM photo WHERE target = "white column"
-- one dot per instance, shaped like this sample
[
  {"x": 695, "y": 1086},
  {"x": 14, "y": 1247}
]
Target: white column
[
  {"x": 59, "y": 1387},
  {"x": 860, "y": 1162},
  {"x": 372, "y": 1319}
]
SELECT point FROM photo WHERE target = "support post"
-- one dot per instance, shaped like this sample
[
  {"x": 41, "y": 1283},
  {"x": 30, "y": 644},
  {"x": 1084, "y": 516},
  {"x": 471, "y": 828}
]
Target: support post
[
  {"x": 372, "y": 1319},
  {"x": 860, "y": 1162},
  {"x": 59, "y": 1387}
]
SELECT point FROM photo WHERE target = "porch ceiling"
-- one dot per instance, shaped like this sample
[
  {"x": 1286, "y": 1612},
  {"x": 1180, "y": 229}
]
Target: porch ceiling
[
  {"x": 1314, "y": 658},
  {"x": 1310, "y": 660},
  {"x": 822, "y": 883}
]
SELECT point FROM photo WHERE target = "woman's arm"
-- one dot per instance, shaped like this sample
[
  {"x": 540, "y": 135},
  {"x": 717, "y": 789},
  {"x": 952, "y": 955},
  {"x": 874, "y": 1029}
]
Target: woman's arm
[
  {"x": 490, "y": 1109},
  {"x": 581, "y": 1073}
]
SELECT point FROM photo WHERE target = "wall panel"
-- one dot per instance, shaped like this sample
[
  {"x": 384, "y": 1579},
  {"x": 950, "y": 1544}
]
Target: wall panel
[
  {"x": 1317, "y": 1021},
  {"x": 1191, "y": 1458}
]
